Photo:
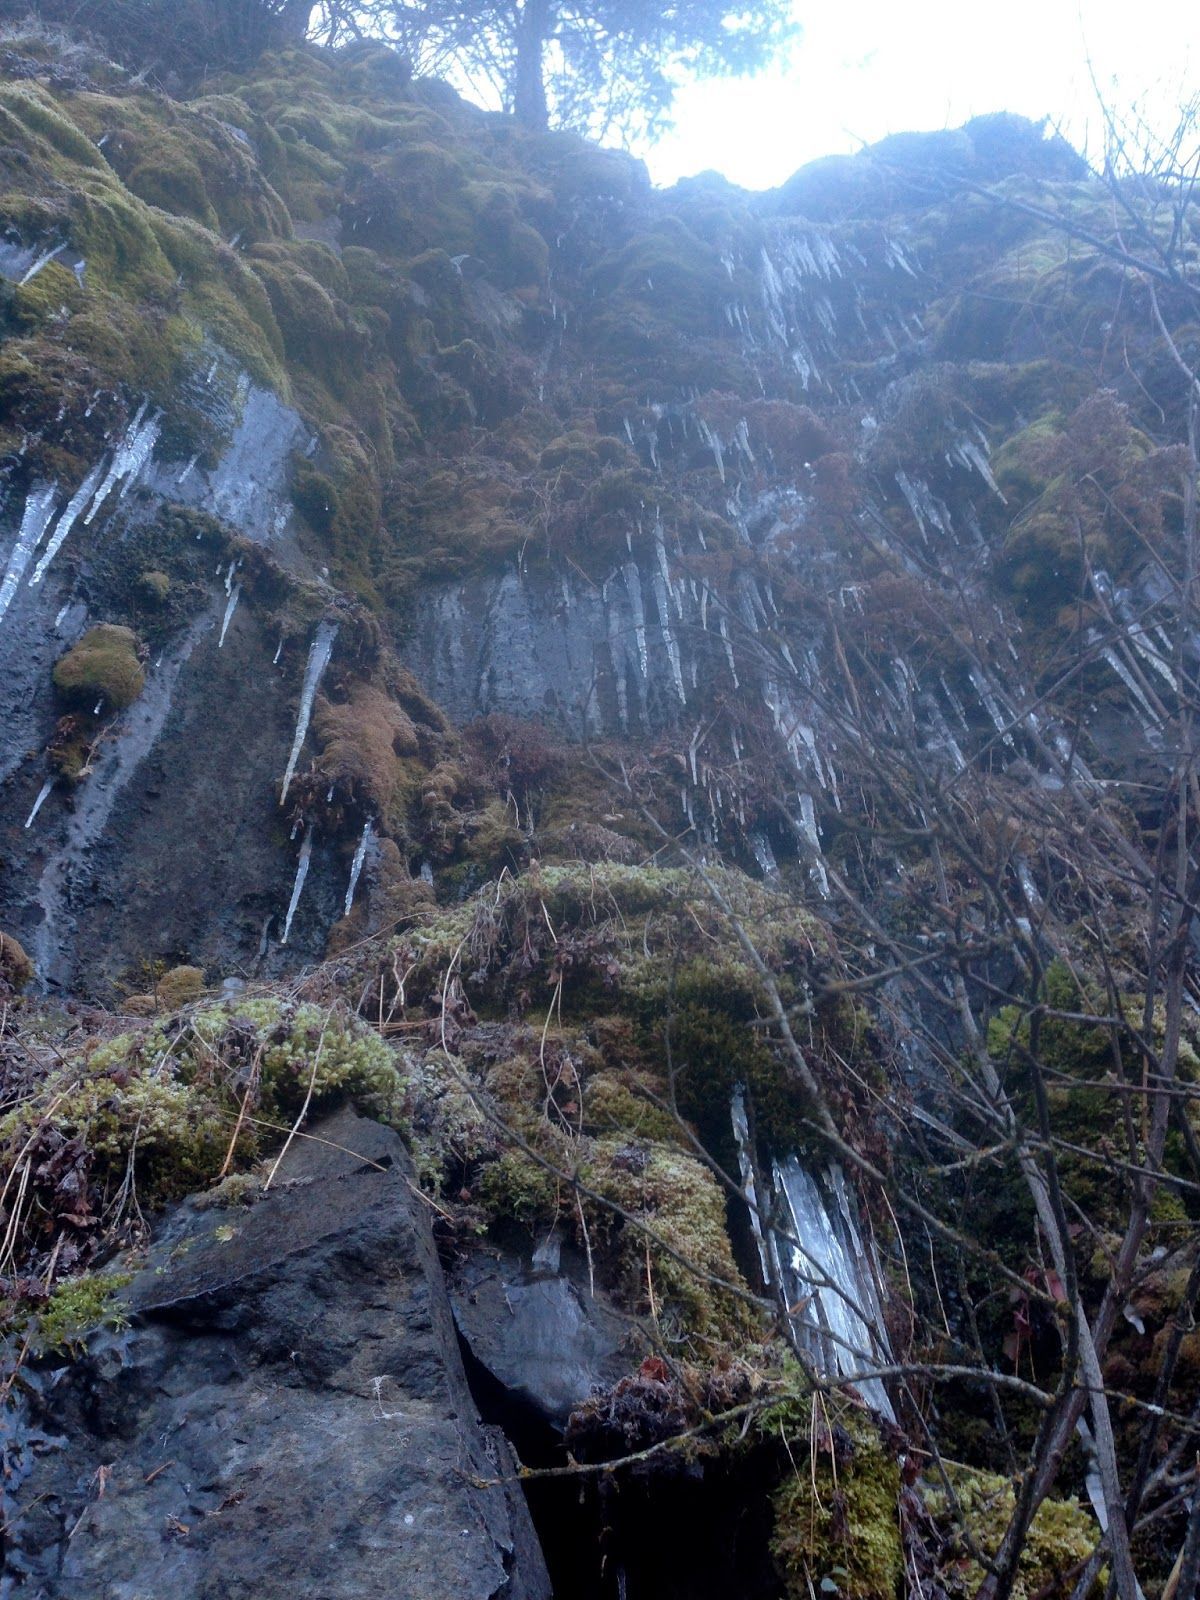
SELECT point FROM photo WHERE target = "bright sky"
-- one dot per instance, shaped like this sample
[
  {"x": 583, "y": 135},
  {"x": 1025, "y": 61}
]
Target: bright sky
[{"x": 866, "y": 68}]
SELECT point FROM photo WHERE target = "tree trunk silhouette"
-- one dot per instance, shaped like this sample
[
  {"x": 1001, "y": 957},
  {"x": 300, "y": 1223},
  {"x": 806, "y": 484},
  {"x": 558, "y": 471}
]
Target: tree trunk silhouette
[{"x": 529, "y": 84}]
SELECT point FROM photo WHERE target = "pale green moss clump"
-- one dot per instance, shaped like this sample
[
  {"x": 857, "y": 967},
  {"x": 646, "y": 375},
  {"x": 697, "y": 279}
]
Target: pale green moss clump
[
  {"x": 177, "y": 1099},
  {"x": 103, "y": 666},
  {"x": 1062, "y": 1536}
]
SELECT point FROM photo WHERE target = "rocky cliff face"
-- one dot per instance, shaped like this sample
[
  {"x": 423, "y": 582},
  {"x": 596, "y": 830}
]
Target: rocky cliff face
[
  {"x": 329, "y": 349},
  {"x": 410, "y": 526}
]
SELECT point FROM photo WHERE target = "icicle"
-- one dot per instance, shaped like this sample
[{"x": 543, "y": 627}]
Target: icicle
[
  {"x": 39, "y": 507},
  {"x": 298, "y": 886},
  {"x": 66, "y": 522},
  {"x": 131, "y": 456},
  {"x": 808, "y": 828},
  {"x": 356, "y": 866},
  {"x": 229, "y": 577},
  {"x": 660, "y": 551},
  {"x": 714, "y": 444},
  {"x": 692, "y": 749},
  {"x": 42, "y": 261},
  {"x": 764, "y": 855},
  {"x": 825, "y": 1268},
  {"x": 616, "y": 649},
  {"x": 230, "y": 607},
  {"x": 278, "y": 653},
  {"x": 1131, "y": 683},
  {"x": 318, "y": 659},
  {"x": 741, "y": 438},
  {"x": 972, "y": 456},
  {"x": 43, "y": 792},
  {"x": 990, "y": 704},
  {"x": 741, "y": 1134},
  {"x": 1140, "y": 640},
  {"x": 721, "y": 623},
  {"x": 664, "y": 621},
  {"x": 633, "y": 586},
  {"x": 920, "y": 503}
]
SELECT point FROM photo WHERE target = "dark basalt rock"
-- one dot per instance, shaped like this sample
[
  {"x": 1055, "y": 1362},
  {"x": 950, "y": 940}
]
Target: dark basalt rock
[
  {"x": 288, "y": 1414},
  {"x": 542, "y": 1334}
]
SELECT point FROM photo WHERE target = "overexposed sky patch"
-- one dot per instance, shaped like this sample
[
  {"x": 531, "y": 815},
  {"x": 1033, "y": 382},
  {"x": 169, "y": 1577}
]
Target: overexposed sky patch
[{"x": 866, "y": 68}]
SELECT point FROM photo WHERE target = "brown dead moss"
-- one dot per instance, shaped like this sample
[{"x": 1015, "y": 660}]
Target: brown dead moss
[
  {"x": 363, "y": 742},
  {"x": 16, "y": 969}
]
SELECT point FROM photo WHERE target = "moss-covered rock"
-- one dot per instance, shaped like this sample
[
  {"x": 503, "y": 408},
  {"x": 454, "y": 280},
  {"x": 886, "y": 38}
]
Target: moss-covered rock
[
  {"x": 16, "y": 969},
  {"x": 182, "y": 1101},
  {"x": 103, "y": 669},
  {"x": 178, "y": 986}
]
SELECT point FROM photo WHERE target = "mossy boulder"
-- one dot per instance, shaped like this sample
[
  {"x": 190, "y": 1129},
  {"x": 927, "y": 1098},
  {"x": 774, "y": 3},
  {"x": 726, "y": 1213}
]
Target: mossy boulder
[
  {"x": 16, "y": 969},
  {"x": 180, "y": 986},
  {"x": 102, "y": 667}
]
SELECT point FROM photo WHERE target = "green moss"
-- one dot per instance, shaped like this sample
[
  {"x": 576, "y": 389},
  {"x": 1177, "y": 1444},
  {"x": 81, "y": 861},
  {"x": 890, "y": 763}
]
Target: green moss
[
  {"x": 677, "y": 1198},
  {"x": 516, "y": 1187},
  {"x": 1082, "y": 1089},
  {"x": 54, "y": 293},
  {"x": 1062, "y": 1536},
  {"x": 103, "y": 666},
  {"x": 29, "y": 105},
  {"x": 76, "y": 1308},
  {"x": 166, "y": 1098},
  {"x": 836, "y": 1515},
  {"x": 155, "y": 586},
  {"x": 612, "y": 1105}
]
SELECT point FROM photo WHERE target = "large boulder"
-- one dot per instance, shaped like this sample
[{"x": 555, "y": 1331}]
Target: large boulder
[{"x": 287, "y": 1414}]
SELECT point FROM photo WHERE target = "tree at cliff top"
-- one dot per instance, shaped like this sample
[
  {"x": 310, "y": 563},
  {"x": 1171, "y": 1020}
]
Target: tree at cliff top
[{"x": 609, "y": 66}]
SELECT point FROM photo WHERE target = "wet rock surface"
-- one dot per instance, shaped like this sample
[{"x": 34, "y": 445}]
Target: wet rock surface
[
  {"x": 287, "y": 1413},
  {"x": 539, "y": 1331}
]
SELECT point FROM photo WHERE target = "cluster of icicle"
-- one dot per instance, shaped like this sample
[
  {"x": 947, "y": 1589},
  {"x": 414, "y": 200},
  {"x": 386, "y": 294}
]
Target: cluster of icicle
[
  {"x": 318, "y": 659},
  {"x": 813, "y": 1253},
  {"x": 41, "y": 506}
]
